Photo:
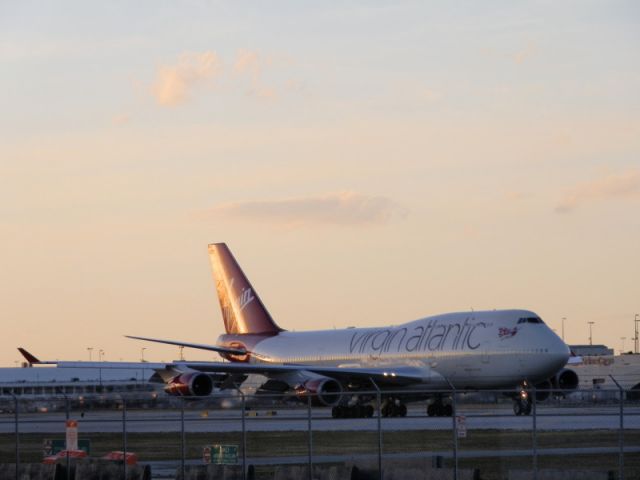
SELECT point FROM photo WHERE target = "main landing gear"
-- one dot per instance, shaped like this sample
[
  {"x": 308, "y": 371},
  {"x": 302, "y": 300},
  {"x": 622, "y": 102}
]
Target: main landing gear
[
  {"x": 522, "y": 403},
  {"x": 352, "y": 411},
  {"x": 439, "y": 409},
  {"x": 393, "y": 407}
]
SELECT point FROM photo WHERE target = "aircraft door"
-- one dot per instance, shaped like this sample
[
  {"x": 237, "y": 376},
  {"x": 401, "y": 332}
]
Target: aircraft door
[{"x": 485, "y": 357}]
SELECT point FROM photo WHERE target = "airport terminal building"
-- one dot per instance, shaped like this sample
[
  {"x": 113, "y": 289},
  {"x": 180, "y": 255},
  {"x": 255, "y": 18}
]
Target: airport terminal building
[
  {"x": 42, "y": 381},
  {"x": 598, "y": 364}
]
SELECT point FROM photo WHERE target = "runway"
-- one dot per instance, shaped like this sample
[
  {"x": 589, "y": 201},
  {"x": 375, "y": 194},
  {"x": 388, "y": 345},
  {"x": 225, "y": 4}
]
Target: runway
[{"x": 476, "y": 417}]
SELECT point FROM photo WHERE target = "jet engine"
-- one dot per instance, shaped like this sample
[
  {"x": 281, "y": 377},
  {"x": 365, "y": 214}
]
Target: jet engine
[
  {"x": 190, "y": 384},
  {"x": 543, "y": 390},
  {"x": 566, "y": 379},
  {"x": 324, "y": 391}
]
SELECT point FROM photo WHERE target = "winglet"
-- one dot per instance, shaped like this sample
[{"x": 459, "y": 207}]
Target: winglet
[{"x": 28, "y": 356}]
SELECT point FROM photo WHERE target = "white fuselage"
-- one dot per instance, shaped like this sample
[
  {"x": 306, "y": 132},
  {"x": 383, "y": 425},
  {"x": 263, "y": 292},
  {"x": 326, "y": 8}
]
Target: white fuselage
[{"x": 490, "y": 349}]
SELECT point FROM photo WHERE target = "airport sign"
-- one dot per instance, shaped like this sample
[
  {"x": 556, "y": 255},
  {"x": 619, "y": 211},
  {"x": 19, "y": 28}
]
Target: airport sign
[{"x": 220, "y": 454}]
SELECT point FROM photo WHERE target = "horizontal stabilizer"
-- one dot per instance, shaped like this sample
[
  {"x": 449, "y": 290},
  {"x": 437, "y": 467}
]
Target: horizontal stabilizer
[{"x": 201, "y": 346}]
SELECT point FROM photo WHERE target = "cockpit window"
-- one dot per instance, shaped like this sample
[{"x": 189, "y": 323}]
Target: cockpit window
[{"x": 530, "y": 320}]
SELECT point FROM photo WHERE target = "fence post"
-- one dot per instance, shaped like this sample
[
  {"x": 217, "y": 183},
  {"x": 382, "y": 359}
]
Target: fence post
[
  {"x": 17, "y": 431},
  {"x": 535, "y": 433},
  {"x": 454, "y": 418},
  {"x": 379, "y": 401},
  {"x": 124, "y": 436},
  {"x": 310, "y": 435},
  {"x": 244, "y": 437},
  {"x": 244, "y": 432},
  {"x": 66, "y": 447},
  {"x": 183, "y": 442},
  {"x": 621, "y": 431},
  {"x": 454, "y": 415}
]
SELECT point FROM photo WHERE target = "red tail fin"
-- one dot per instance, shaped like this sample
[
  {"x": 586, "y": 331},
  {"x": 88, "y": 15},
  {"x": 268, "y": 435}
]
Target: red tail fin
[
  {"x": 242, "y": 309},
  {"x": 28, "y": 356}
]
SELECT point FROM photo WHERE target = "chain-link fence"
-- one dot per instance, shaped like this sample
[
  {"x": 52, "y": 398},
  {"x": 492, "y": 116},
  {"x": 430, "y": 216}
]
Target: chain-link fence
[{"x": 463, "y": 434}]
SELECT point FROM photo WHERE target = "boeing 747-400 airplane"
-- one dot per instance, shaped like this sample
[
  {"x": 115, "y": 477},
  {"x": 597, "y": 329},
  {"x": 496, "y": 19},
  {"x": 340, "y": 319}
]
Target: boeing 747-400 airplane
[{"x": 467, "y": 350}]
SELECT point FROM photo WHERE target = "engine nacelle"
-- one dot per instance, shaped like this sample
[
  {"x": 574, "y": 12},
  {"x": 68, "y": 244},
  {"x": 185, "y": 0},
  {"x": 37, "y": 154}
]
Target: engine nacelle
[
  {"x": 324, "y": 391},
  {"x": 543, "y": 390},
  {"x": 191, "y": 384},
  {"x": 566, "y": 379}
]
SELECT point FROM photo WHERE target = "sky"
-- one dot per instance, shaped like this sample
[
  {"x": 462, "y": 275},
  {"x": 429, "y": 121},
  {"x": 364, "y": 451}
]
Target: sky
[{"x": 369, "y": 163}]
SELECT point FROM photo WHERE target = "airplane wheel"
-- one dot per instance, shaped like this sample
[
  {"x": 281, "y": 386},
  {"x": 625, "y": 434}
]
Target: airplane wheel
[
  {"x": 527, "y": 408},
  {"x": 448, "y": 410},
  {"x": 440, "y": 410},
  {"x": 517, "y": 408},
  {"x": 431, "y": 410},
  {"x": 368, "y": 411},
  {"x": 402, "y": 410}
]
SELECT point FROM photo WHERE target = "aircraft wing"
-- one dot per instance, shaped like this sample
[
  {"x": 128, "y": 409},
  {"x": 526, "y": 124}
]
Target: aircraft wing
[
  {"x": 387, "y": 376},
  {"x": 383, "y": 376}
]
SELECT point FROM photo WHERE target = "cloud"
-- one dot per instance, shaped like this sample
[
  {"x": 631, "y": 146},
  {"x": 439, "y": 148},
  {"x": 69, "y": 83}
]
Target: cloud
[
  {"x": 248, "y": 62},
  {"x": 518, "y": 196},
  {"x": 530, "y": 50},
  {"x": 265, "y": 93},
  {"x": 174, "y": 82},
  {"x": 252, "y": 64},
  {"x": 120, "y": 119},
  {"x": 430, "y": 95},
  {"x": 624, "y": 185},
  {"x": 342, "y": 208},
  {"x": 252, "y": 73}
]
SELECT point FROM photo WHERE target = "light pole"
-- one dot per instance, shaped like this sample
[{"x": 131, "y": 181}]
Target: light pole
[
  {"x": 563, "y": 319},
  {"x": 590, "y": 333},
  {"x": 90, "y": 349},
  {"x": 636, "y": 320},
  {"x": 142, "y": 354},
  {"x": 101, "y": 354},
  {"x": 623, "y": 339}
]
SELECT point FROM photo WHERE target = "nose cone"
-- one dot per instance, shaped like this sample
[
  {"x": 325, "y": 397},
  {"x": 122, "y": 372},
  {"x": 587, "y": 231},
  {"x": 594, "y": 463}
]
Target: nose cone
[{"x": 559, "y": 352}]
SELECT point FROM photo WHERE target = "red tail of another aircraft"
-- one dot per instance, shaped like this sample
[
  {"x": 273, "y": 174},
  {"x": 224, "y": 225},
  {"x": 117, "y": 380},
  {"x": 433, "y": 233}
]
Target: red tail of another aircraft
[{"x": 242, "y": 310}]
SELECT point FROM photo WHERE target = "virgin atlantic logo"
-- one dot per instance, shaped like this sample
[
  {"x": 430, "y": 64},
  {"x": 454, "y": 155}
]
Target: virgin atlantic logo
[{"x": 504, "y": 332}]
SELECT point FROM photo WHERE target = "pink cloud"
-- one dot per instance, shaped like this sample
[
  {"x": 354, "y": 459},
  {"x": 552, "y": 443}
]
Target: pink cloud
[
  {"x": 174, "y": 82},
  {"x": 614, "y": 186},
  {"x": 343, "y": 208},
  {"x": 530, "y": 50}
]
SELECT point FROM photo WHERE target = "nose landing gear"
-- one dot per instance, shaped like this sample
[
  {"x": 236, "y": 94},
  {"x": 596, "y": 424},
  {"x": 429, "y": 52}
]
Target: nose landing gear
[{"x": 522, "y": 403}]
